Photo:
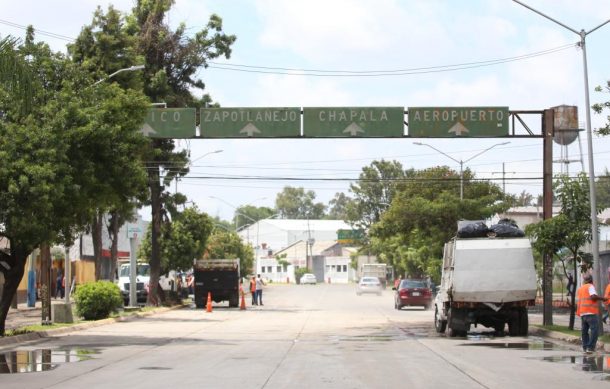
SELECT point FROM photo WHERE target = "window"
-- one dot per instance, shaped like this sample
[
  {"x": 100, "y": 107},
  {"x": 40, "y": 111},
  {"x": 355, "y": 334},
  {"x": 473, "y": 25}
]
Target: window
[
  {"x": 345, "y": 268},
  {"x": 279, "y": 269},
  {"x": 262, "y": 269},
  {"x": 269, "y": 269}
]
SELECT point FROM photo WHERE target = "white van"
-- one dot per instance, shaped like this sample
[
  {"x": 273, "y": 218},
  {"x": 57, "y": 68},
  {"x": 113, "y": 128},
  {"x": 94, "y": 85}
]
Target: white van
[{"x": 142, "y": 280}]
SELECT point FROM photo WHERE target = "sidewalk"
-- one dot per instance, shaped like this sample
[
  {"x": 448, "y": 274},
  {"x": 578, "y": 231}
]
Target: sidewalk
[{"x": 26, "y": 316}]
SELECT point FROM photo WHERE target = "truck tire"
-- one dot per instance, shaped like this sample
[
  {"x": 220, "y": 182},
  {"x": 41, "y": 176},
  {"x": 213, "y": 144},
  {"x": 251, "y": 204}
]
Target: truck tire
[
  {"x": 451, "y": 331},
  {"x": 439, "y": 325},
  {"x": 518, "y": 323},
  {"x": 234, "y": 301},
  {"x": 523, "y": 322}
]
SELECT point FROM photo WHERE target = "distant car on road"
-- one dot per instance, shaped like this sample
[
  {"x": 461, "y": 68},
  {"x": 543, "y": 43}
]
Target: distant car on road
[
  {"x": 412, "y": 292},
  {"x": 308, "y": 278},
  {"x": 369, "y": 285}
]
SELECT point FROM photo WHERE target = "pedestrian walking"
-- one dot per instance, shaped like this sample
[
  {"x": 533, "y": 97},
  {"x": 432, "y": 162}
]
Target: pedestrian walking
[
  {"x": 259, "y": 289},
  {"x": 253, "y": 290},
  {"x": 588, "y": 309},
  {"x": 59, "y": 286}
]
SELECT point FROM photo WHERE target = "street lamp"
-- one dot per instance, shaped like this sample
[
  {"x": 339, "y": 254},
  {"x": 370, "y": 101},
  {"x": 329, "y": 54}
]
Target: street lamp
[
  {"x": 597, "y": 277},
  {"x": 196, "y": 159},
  {"x": 237, "y": 213},
  {"x": 460, "y": 161},
  {"x": 129, "y": 69}
]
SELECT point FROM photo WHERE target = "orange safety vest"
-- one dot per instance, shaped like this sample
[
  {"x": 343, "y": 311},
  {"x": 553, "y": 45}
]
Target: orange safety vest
[
  {"x": 252, "y": 286},
  {"x": 607, "y": 296},
  {"x": 585, "y": 304}
]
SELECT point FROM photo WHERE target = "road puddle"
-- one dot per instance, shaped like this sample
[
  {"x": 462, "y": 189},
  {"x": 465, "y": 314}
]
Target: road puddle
[
  {"x": 29, "y": 361},
  {"x": 596, "y": 364},
  {"x": 363, "y": 338},
  {"x": 531, "y": 345}
]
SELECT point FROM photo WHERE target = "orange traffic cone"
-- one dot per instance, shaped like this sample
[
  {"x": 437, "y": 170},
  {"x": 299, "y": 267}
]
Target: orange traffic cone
[
  {"x": 242, "y": 305},
  {"x": 208, "y": 306}
]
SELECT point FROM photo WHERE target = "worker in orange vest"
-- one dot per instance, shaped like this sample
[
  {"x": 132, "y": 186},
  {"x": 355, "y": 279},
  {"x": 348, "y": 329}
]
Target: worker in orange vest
[
  {"x": 588, "y": 310},
  {"x": 253, "y": 290},
  {"x": 607, "y": 297}
]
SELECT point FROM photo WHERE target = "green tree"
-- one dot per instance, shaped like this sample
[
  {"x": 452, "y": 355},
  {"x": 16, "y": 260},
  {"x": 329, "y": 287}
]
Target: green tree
[
  {"x": 172, "y": 59},
  {"x": 228, "y": 245},
  {"x": 569, "y": 230},
  {"x": 338, "y": 207},
  {"x": 183, "y": 240},
  {"x": 247, "y": 214},
  {"x": 296, "y": 203},
  {"x": 102, "y": 48},
  {"x": 599, "y": 108},
  {"x": 374, "y": 192},
  {"x": 423, "y": 216},
  {"x": 50, "y": 185}
]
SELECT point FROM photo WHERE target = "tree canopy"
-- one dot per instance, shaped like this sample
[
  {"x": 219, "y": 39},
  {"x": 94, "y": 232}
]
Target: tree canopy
[
  {"x": 296, "y": 203},
  {"x": 423, "y": 216}
]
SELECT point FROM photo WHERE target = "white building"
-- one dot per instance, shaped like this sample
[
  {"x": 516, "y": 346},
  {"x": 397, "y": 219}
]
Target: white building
[{"x": 297, "y": 239}]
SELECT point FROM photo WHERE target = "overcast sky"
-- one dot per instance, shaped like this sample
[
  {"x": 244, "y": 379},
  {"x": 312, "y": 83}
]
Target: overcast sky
[{"x": 352, "y": 35}]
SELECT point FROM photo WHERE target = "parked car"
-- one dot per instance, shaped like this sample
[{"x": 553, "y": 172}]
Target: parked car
[
  {"x": 308, "y": 278},
  {"x": 369, "y": 285},
  {"x": 412, "y": 292}
]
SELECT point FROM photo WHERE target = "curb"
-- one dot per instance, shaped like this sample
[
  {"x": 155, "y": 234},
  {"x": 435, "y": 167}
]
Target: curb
[
  {"x": 572, "y": 339},
  {"x": 32, "y": 336}
]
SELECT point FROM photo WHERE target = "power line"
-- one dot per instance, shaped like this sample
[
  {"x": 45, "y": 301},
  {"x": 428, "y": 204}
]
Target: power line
[
  {"x": 379, "y": 73},
  {"x": 339, "y": 73},
  {"x": 37, "y": 31}
]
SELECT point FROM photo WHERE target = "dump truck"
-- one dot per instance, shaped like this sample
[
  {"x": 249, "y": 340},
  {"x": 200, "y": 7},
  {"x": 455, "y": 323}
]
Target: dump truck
[
  {"x": 378, "y": 270},
  {"x": 485, "y": 280},
  {"x": 220, "y": 278}
]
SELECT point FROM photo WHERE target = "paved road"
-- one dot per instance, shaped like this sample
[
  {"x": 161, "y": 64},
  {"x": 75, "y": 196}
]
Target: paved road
[{"x": 321, "y": 336}]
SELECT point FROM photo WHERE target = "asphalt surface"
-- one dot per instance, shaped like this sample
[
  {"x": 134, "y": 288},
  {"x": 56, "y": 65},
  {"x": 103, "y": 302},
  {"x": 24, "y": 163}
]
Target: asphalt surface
[{"x": 321, "y": 336}]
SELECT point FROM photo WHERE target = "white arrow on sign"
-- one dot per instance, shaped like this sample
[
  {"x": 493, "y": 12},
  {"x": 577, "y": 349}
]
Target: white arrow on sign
[
  {"x": 353, "y": 129},
  {"x": 146, "y": 130},
  {"x": 250, "y": 129},
  {"x": 459, "y": 129}
]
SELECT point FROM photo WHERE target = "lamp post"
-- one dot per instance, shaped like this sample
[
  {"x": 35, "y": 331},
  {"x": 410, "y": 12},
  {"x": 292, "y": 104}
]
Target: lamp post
[
  {"x": 197, "y": 159},
  {"x": 460, "y": 161},
  {"x": 237, "y": 213},
  {"x": 597, "y": 277},
  {"x": 129, "y": 69}
]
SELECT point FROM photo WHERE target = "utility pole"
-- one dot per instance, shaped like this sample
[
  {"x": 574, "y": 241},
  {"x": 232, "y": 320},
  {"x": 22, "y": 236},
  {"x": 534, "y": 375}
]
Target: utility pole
[{"x": 597, "y": 276}]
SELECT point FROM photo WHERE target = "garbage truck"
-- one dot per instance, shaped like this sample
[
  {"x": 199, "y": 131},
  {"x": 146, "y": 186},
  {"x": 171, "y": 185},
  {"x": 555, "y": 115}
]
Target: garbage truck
[
  {"x": 220, "y": 278},
  {"x": 378, "y": 270},
  {"x": 488, "y": 281}
]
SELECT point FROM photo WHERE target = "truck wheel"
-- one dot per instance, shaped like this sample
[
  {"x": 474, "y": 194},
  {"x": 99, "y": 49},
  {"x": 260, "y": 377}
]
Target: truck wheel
[
  {"x": 234, "y": 301},
  {"x": 518, "y": 323},
  {"x": 439, "y": 325},
  {"x": 499, "y": 327},
  {"x": 523, "y": 322}
]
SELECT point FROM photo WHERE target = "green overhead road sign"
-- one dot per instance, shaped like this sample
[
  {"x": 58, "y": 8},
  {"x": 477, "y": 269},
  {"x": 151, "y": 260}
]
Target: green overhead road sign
[
  {"x": 454, "y": 122},
  {"x": 250, "y": 122},
  {"x": 176, "y": 123},
  {"x": 357, "y": 122}
]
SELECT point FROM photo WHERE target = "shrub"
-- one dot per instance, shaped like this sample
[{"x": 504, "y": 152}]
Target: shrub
[
  {"x": 96, "y": 300},
  {"x": 298, "y": 273}
]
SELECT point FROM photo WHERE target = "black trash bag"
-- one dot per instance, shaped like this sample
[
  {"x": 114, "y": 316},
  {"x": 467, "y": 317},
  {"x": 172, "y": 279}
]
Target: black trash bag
[
  {"x": 507, "y": 221},
  {"x": 507, "y": 230},
  {"x": 473, "y": 230}
]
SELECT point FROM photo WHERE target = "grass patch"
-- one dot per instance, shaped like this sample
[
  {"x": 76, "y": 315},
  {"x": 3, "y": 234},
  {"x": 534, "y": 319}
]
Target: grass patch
[
  {"x": 37, "y": 328},
  {"x": 40, "y": 327}
]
